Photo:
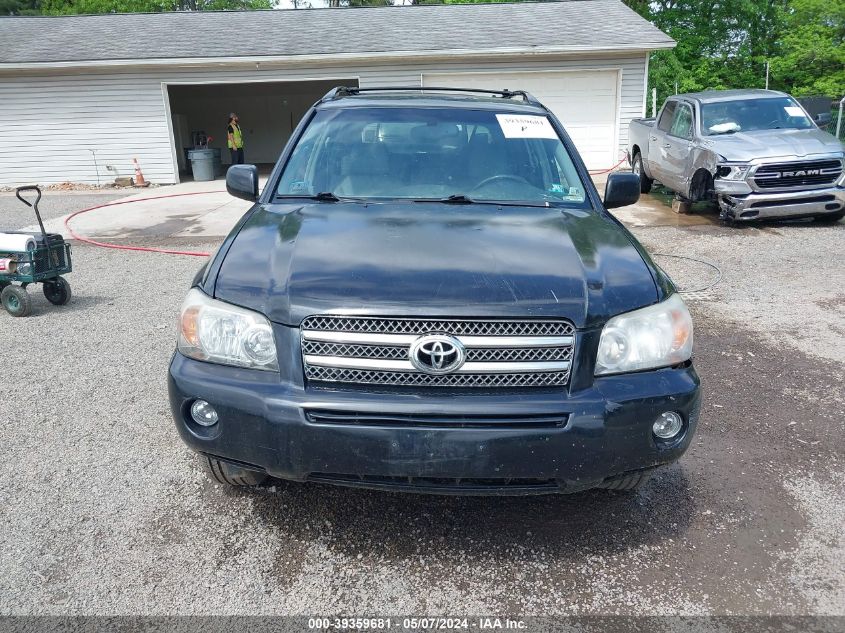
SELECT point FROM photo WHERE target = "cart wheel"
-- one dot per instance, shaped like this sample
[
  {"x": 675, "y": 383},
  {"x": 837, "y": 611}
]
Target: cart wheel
[
  {"x": 57, "y": 291},
  {"x": 16, "y": 301}
]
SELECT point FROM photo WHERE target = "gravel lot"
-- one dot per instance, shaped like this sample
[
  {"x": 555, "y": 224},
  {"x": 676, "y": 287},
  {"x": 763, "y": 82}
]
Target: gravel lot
[{"x": 106, "y": 512}]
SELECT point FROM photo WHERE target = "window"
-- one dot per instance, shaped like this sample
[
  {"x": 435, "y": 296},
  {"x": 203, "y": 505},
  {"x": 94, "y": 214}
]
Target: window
[
  {"x": 682, "y": 123},
  {"x": 432, "y": 153},
  {"x": 746, "y": 115},
  {"x": 665, "y": 121}
]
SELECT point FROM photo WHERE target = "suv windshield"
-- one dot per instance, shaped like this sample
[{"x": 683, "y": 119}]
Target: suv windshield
[
  {"x": 432, "y": 153},
  {"x": 752, "y": 114}
]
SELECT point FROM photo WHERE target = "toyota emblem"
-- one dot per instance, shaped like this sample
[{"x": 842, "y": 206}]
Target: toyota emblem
[{"x": 437, "y": 354}]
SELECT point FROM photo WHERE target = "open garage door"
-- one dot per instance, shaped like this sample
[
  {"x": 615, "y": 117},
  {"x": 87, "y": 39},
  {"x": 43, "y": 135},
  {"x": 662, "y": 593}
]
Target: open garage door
[
  {"x": 586, "y": 102},
  {"x": 269, "y": 112}
]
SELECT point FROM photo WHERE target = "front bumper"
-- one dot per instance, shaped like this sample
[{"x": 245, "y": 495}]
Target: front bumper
[
  {"x": 433, "y": 443},
  {"x": 766, "y": 206}
]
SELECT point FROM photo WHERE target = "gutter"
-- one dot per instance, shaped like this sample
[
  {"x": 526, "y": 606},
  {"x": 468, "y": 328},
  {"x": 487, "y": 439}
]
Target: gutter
[{"x": 333, "y": 59}]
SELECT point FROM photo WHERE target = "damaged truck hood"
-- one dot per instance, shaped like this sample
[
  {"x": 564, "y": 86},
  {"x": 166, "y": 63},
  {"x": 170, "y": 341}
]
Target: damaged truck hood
[
  {"x": 290, "y": 261},
  {"x": 773, "y": 144}
]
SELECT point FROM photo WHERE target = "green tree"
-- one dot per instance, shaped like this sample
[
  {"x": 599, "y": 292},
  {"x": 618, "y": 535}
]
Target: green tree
[
  {"x": 721, "y": 43},
  {"x": 812, "y": 49},
  {"x": 19, "y": 7}
]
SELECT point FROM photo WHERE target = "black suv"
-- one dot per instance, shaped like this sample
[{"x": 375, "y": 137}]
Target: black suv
[{"x": 430, "y": 295}]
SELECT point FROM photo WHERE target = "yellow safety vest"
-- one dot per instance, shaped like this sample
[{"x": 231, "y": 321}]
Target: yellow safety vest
[{"x": 236, "y": 136}]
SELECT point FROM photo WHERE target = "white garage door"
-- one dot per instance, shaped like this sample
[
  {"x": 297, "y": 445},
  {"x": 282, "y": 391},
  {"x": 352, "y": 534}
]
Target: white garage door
[{"x": 584, "y": 101}]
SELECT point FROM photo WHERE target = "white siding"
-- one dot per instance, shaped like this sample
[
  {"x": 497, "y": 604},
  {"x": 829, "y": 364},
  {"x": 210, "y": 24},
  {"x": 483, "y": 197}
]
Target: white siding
[{"x": 52, "y": 122}]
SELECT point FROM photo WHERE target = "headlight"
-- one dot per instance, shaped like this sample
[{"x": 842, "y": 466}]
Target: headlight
[
  {"x": 218, "y": 332},
  {"x": 732, "y": 171},
  {"x": 656, "y": 336}
]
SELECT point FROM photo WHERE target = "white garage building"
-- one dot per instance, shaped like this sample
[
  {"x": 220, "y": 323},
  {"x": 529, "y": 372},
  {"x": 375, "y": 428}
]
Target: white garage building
[{"x": 81, "y": 96}]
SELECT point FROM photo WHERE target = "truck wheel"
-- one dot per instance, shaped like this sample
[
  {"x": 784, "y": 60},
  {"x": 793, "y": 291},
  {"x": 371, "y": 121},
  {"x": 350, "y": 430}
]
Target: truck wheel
[
  {"x": 16, "y": 301},
  {"x": 637, "y": 168},
  {"x": 634, "y": 481},
  {"x": 57, "y": 291},
  {"x": 226, "y": 473},
  {"x": 833, "y": 218}
]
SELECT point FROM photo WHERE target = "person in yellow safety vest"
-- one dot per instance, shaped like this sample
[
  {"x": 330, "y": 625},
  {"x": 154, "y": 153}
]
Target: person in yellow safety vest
[{"x": 235, "y": 140}]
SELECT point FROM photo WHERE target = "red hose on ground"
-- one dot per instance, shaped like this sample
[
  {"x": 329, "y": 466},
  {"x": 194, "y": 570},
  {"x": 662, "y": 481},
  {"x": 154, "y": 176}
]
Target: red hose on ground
[
  {"x": 596, "y": 172},
  {"x": 127, "y": 247}
]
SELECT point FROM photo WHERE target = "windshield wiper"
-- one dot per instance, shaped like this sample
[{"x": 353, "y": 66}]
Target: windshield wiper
[
  {"x": 457, "y": 198},
  {"x": 323, "y": 196}
]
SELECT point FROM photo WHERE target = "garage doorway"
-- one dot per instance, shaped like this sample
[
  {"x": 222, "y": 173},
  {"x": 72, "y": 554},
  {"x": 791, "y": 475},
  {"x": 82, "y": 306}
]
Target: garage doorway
[
  {"x": 585, "y": 101},
  {"x": 269, "y": 111}
]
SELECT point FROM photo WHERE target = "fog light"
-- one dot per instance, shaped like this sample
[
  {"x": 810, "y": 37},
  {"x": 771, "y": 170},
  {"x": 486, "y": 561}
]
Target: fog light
[
  {"x": 668, "y": 425},
  {"x": 203, "y": 413}
]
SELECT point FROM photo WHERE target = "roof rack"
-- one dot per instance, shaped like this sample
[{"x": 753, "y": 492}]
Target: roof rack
[{"x": 348, "y": 91}]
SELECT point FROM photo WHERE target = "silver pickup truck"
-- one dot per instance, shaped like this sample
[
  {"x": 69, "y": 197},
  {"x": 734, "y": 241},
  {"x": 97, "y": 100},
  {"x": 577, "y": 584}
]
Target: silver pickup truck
[{"x": 757, "y": 152}]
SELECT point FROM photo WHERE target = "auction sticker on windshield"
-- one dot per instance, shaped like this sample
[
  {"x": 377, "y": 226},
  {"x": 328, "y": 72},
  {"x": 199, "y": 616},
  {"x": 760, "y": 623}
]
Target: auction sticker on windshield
[{"x": 523, "y": 126}]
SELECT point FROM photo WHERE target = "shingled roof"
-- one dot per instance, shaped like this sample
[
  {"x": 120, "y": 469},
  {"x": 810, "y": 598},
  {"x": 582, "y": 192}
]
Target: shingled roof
[{"x": 418, "y": 30}]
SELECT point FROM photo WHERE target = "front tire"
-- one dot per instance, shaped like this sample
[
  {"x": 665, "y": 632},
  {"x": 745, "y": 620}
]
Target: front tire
[
  {"x": 832, "y": 218},
  {"x": 628, "y": 483},
  {"x": 637, "y": 168},
  {"x": 57, "y": 291},
  {"x": 232, "y": 475},
  {"x": 16, "y": 301}
]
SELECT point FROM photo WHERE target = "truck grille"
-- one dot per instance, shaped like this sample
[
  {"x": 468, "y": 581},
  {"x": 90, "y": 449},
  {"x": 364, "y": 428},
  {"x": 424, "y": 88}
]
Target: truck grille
[
  {"x": 798, "y": 174},
  {"x": 494, "y": 354}
]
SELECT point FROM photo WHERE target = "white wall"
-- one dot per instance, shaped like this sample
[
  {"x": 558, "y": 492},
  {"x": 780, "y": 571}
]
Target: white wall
[{"x": 52, "y": 121}]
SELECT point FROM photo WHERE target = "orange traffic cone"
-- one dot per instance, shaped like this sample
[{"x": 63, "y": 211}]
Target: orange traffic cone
[{"x": 139, "y": 176}]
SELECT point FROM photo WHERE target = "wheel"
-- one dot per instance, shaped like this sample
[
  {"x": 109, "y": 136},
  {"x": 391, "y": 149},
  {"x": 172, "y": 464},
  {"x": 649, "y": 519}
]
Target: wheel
[
  {"x": 16, "y": 301},
  {"x": 634, "y": 481},
  {"x": 829, "y": 219},
  {"x": 637, "y": 168},
  {"x": 57, "y": 291},
  {"x": 226, "y": 473}
]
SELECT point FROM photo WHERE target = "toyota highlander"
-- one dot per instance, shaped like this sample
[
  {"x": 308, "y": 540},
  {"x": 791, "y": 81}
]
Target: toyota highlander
[{"x": 429, "y": 295}]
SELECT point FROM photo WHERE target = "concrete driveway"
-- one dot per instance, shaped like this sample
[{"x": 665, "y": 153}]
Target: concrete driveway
[{"x": 190, "y": 209}]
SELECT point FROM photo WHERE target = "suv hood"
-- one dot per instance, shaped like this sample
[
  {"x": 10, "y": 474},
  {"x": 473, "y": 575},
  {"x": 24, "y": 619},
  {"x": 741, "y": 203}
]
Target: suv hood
[
  {"x": 774, "y": 144},
  {"x": 427, "y": 259}
]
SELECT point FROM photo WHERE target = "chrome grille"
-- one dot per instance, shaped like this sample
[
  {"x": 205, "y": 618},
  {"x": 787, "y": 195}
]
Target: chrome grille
[
  {"x": 416, "y": 379},
  {"x": 464, "y": 327},
  {"x": 389, "y": 352},
  {"x": 376, "y": 351},
  {"x": 798, "y": 174},
  {"x": 393, "y": 352}
]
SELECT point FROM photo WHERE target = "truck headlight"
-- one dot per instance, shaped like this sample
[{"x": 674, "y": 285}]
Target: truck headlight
[
  {"x": 218, "y": 332},
  {"x": 732, "y": 171},
  {"x": 656, "y": 336}
]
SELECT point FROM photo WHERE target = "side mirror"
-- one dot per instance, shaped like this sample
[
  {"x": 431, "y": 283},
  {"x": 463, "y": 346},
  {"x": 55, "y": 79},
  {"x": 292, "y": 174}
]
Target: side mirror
[
  {"x": 823, "y": 118},
  {"x": 242, "y": 182},
  {"x": 622, "y": 189}
]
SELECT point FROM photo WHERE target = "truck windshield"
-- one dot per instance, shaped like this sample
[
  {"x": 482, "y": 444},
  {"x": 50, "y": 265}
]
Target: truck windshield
[
  {"x": 746, "y": 115},
  {"x": 431, "y": 154}
]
